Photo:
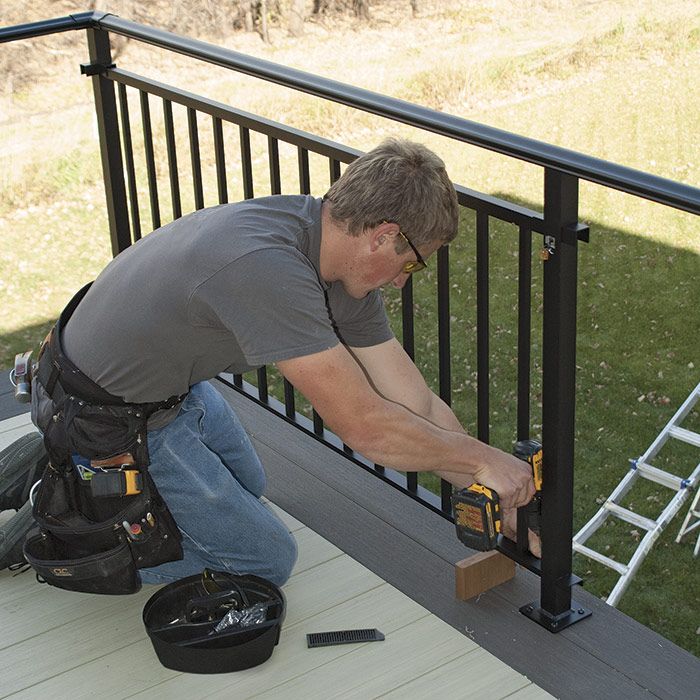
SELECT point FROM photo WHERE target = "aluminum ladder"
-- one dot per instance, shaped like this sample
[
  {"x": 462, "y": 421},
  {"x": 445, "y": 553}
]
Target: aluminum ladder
[
  {"x": 692, "y": 520},
  {"x": 642, "y": 468}
]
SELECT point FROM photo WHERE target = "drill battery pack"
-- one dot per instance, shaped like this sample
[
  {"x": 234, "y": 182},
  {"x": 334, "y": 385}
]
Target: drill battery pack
[{"x": 477, "y": 514}]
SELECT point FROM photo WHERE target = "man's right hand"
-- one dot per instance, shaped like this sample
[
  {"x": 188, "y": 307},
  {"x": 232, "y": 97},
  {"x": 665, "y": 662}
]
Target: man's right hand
[{"x": 508, "y": 476}]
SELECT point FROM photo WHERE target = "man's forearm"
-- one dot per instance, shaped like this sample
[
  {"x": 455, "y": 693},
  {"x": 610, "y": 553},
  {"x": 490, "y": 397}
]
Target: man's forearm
[
  {"x": 403, "y": 440},
  {"x": 394, "y": 436},
  {"x": 390, "y": 427},
  {"x": 441, "y": 414}
]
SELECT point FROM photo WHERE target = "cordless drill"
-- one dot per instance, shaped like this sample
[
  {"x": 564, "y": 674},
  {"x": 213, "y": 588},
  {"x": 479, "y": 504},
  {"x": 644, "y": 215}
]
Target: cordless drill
[{"x": 477, "y": 509}]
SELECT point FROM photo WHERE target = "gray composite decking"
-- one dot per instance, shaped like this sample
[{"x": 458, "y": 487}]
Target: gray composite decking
[
  {"x": 70, "y": 646},
  {"x": 414, "y": 550}
]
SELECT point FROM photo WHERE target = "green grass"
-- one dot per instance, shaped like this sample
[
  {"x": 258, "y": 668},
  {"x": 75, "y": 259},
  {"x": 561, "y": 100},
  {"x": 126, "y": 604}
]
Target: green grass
[{"x": 637, "y": 321}]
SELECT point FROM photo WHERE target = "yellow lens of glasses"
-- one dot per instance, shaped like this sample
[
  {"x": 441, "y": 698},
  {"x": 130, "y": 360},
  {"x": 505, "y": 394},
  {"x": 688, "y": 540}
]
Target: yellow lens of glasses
[{"x": 413, "y": 266}]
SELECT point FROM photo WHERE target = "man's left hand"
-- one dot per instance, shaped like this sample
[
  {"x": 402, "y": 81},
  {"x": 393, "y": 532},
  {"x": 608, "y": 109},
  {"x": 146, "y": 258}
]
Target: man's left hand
[{"x": 509, "y": 522}]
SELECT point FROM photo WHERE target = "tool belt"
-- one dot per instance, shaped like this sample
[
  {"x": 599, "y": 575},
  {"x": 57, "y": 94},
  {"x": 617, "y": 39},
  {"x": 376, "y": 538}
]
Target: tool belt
[{"x": 99, "y": 513}]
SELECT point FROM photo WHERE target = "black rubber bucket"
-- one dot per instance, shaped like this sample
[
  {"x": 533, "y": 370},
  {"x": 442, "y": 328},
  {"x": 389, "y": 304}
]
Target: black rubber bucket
[{"x": 181, "y": 620}]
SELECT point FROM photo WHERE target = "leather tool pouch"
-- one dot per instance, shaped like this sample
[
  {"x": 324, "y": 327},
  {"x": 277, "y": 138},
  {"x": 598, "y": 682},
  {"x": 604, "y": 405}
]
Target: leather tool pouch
[
  {"x": 96, "y": 544},
  {"x": 94, "y": 536}
]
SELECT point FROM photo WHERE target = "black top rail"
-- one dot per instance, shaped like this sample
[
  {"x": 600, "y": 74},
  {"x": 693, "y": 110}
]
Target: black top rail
[{"x": 602, "y": 172}]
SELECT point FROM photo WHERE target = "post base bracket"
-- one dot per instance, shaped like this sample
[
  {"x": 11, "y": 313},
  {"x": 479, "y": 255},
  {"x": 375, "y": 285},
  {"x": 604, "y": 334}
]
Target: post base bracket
[{"x": 556, "y": 623}]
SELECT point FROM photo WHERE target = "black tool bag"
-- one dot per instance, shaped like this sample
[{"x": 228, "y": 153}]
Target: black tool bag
[
  {"x": 233, "y": 627},
  {"x": 98, "y": 524}
]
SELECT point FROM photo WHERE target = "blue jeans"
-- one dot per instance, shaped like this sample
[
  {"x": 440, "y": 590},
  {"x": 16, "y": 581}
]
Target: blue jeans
[{"x": 211, "y": 478}]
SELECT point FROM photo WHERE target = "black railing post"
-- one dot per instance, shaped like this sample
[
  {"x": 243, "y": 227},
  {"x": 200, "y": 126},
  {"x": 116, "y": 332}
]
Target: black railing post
[
  {"x": 524, "y": 331},
  {"x": 556, "y": 610},
  {"x": 110, "y": 144},
  {"x": 483, "y": 411}
]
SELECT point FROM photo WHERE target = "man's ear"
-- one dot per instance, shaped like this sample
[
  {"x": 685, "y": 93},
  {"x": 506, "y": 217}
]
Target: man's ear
[{"x": 382, "y": 234}]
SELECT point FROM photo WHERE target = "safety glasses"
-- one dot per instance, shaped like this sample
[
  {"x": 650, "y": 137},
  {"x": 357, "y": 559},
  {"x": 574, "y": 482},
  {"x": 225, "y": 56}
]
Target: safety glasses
[{"x": 413, "y": 265}]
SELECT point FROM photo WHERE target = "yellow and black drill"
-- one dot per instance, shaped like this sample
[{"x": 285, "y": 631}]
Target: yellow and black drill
[{"x": 477, "y": 509}]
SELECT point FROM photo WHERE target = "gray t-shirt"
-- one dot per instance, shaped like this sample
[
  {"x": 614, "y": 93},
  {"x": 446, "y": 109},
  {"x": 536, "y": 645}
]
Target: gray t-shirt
[{"x": 228, "y": 288}]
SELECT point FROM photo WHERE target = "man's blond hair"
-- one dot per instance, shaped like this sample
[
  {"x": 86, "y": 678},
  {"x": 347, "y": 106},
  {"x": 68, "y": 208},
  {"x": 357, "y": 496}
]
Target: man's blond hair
[{"x": 398, "y": 181}]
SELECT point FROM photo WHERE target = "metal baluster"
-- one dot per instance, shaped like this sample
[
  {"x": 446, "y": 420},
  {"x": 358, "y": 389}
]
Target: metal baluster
[
  {"x": 289, "y": 405},
  {"x": 276, "y": 188},
  {"x": 305, "y": 188},
  {"x": 247, "y": 172},
  {"x": 334, "y": 175},
  {"x": 334, "y": 169},
  {"x": 220, "y": 155},
  {"x": 246, "y": 163},
  {"x": 482, "y": 324},
  {"x": 444, "y": 349},
  {"x": 524, "y": 329},
  {"x": 304, "y": 176},
  {"x": 262, "y": 384},
  {"x": 130, "y": 168},
  {"x": 274, "y": 158},
  {"x": 318, "y": 423},
  {"x": 407, "y": 331},
  {"x": 150, "y": 159},
  {"x": 248, "y": 193},
  {"x": 195, "y": 158},
  {"x": 172, "y": 158},
  {"x": 523, "y": 410}
]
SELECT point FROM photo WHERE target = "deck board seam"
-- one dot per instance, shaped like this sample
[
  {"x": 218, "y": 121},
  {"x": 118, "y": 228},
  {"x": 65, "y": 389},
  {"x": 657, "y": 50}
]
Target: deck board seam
[
  {"x": 73, "y": 668},
  {"x": 114, "y": 604},
  {"x": 320, "y": 563},
  {"x": 439, "y": 666},
  {"x": 520, "y": 690},
  {"x": 352, "y": 650},
  {"x": 622, "y": 673}
]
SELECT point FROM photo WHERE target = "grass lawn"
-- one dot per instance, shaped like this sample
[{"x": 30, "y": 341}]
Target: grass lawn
[{"x": 637, "y": 355}]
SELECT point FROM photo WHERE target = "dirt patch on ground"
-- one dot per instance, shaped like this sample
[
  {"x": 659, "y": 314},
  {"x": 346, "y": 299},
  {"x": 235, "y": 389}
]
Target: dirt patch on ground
[{"x": 464, "y": 57}]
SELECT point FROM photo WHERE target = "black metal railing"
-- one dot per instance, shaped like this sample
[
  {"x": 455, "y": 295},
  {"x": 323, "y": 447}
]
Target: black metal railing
[{"x": 129, "y": 157}]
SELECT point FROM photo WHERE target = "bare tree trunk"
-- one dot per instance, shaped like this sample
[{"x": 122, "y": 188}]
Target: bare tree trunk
[
  {"x": 247, "y": 12},
  {"x": 263, "y": 22},
  {"x": 361, "y": 8},
  {"x": 414, "y": 8},
  {"x": 295, "y": 18}
]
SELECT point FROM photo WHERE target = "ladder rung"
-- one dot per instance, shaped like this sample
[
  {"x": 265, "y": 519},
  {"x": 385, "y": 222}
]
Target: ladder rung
[
  {"x": 600, "y": 558},
  {"x": 630, "y": 516},
  {"x": 591, "y": 527},
  {"x": 685, "y": 435},
  {"x": 659, "y": 476}
]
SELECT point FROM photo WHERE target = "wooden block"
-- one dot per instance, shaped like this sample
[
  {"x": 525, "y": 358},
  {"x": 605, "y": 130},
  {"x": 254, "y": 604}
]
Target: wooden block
[{"x": 482, "y": 572}]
